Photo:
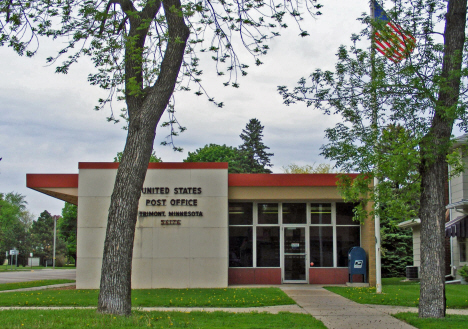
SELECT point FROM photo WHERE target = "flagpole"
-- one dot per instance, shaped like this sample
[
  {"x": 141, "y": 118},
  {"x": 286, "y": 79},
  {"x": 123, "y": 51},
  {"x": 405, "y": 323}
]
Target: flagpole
[{"x": 378, "y": 261}]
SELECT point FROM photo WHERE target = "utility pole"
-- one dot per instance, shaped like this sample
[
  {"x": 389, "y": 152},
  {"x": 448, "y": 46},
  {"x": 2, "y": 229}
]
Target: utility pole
[{"x": 55, "y": 238}]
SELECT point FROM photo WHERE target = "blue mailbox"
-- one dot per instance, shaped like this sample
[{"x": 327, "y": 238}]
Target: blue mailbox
[{"x": 357, "y": 263}]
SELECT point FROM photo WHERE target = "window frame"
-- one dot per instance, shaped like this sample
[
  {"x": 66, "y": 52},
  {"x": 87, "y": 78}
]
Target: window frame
[{"x": 281, "y": 226}]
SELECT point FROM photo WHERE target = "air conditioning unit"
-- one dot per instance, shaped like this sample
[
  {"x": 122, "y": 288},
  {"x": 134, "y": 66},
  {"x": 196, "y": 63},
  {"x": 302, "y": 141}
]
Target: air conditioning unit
[{"x": 412, "y": 272}]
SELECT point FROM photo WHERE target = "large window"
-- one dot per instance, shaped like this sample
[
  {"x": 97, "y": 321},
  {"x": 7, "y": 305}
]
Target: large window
[
  {"x": 344, "y": 213},
  {"x": 321, "y": 246},
  {"x": 267, "y": 213},
  {"x": 267, "y": 235},
  {"x": 255, "y": 232},
  {"x": 294, "y": 213},
  {"x": 240, "y": 213},
  {"x": 346, "y": 238},
  {"x": 240, "y": 234},
  {"x": 348, "y": 232},
  {"x": 268, "y": 246},
  {"x": 320, "y": 213}
]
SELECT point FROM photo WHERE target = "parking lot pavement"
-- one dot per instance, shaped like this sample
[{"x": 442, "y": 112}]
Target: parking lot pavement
[{"x": 22, "y": 276}]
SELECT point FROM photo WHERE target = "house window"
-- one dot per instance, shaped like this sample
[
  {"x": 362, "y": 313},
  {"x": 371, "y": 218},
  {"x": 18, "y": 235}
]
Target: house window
[{"x": 462, "y": 245}]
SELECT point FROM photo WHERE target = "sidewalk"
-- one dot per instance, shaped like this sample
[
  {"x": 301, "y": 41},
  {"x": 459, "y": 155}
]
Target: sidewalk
[{"x": 337, "y": 312}]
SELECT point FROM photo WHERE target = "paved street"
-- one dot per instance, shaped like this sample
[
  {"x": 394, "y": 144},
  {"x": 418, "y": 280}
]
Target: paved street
[{"x": 21, "y": 276}]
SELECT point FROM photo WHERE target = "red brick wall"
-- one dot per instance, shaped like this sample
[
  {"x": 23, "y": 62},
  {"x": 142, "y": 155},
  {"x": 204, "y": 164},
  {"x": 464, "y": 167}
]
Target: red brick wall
[
  {"x": 254, "y": 276},
  {"x": 331, "y": 276},
  {"x": 273, "y": 276}
]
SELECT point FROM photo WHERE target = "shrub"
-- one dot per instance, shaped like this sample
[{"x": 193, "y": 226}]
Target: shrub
[{"x": 463, "y": 272}]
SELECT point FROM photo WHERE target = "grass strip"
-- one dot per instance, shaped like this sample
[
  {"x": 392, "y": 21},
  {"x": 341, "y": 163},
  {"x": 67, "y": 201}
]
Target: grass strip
[
  {"x": 399, "y": 281},
  {"x": 12, "y": 319},
  {"x": 402, "y": 295},
  {"x": 30, "y": 284},
  {"x": 228, "y": 297},
  {"x": 451, "y": 321}
]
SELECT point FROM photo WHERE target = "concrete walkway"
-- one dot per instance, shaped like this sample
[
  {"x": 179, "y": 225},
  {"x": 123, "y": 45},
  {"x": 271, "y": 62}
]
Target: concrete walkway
[{"x": 337, "y": 312}]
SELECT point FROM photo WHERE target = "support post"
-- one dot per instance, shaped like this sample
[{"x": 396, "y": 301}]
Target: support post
[{"x": 378, "y": 269}]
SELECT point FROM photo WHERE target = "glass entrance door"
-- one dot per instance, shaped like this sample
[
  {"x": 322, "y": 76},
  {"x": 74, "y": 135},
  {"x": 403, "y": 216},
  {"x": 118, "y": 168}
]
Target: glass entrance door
[{"x": 294, "y": 254}]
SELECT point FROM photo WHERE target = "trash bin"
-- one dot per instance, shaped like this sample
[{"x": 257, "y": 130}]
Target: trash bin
[{"x": 357, "y": 263}]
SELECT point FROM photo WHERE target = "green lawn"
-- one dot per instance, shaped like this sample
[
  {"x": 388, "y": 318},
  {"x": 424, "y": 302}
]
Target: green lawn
[
  {"x": 89, "y": 318},
  {"x": 29, "y": 284},
  {"x": 450, "y": 321},
  {"x": 229, "y": 297},
  {"x": 402, "y": 294}
]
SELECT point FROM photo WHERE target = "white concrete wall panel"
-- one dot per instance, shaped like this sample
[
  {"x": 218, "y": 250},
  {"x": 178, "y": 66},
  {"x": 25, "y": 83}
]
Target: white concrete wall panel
[
  {"x": 192, "y": 253},
  {"x": 167, "y": 177},
  {"x": 215, "y": 182},
  {"x": 88, "y": 273},
  {"x": 142, "y": 273},
  {"x": 174, "y": 242},
  {"x": 93, "y": 211},
  {"x": 92, "y": 242},
  {"x": 208, "y": 242},
  {"x": 171, "y": 272},
  {"x": 208, "y": 272},
  {"x": 143, "y": 245},
  {"x": 96, "y": 182}
]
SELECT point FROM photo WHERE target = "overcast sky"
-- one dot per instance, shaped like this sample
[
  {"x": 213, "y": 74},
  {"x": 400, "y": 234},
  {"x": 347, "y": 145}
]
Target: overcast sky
[{"x": 48, "y": 125}]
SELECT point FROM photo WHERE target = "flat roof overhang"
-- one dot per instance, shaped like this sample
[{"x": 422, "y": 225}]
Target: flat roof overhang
[
  {"x": 60, "y": 186},
  {"x": 65, "y": 186}
]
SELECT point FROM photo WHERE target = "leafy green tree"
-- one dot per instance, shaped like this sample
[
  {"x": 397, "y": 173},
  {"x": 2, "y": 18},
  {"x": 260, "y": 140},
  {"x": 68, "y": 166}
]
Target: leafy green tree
[
  {"x": 397, "y": 249},
  {"x": 254, "y": 152},
  {"x": 42, "y": 238},
  {"x": 219, "y": 153},
  {"x": 67, "y": 228},
  {"x": 153, "y": 157},
  {"x": 142, "y": 48},
  {"x": 248, "y": 158},
  {"x": 15, "y": 220},
  {"x": 321, "y": 168},
  {"x": 425, "y": 95}
]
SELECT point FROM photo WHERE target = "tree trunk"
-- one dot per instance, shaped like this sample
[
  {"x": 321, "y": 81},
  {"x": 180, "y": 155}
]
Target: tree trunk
[
  {"x": 434, "y": 148},
  {"x": 115, "y": 293}
]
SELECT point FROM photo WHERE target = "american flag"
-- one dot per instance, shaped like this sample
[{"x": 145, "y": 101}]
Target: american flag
[{"x": 390, "y": 39}]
